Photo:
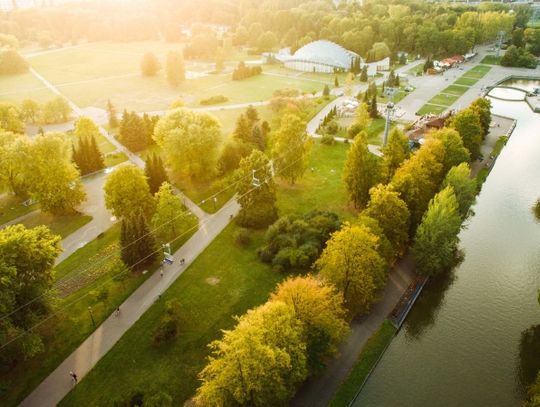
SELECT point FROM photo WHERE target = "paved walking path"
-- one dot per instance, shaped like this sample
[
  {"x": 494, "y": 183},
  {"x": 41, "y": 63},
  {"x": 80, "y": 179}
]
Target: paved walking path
[
  {"x": 319, "y": 391},
  {"x": 81, "y": 361}
]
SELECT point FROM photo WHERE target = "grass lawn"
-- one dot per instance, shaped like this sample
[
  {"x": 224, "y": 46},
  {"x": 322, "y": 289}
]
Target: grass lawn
[
  {"x": 366, "y": 361},
  {"x": 11, "y": 207},
  {"x": 321, "y": 187},
  {"x": 444, "y": 99},
  {"x": 455, "y": 90},
  {"x": 59, "y": 225},
  {"x": 466, "y": 81},
  {"x": 430, "y": 109},
  {"x": 491, "y": 60},
  {"x": 480, "y": 69},
  {"x": 16, "y": 88},
  {"x": 206, "y": 309},
  {"x": 114, "y": 159}
]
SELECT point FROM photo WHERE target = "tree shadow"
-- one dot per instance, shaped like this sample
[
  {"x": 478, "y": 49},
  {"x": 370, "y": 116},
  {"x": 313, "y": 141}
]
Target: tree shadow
[
  {"x": 529, "y": 358},
  {"x": 428, "y": 304}
]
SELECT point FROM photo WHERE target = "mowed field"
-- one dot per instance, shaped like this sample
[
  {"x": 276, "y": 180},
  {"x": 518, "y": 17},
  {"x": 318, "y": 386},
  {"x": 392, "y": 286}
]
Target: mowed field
[{"x": 90, "y": 74}]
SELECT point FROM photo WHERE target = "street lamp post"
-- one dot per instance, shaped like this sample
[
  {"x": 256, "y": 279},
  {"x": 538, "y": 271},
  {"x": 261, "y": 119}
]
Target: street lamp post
[
  {"x": 92, "y": 316},
  {"x": 389, "y": 108}
]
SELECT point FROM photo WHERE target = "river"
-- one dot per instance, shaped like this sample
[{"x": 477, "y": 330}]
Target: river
[{"x": 463, "y": 343}]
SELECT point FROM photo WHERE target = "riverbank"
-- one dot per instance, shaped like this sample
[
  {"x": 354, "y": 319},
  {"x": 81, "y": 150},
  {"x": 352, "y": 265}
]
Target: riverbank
[
  {"x": 358, "y": 375},
  {"x": 460, "y": 344}
]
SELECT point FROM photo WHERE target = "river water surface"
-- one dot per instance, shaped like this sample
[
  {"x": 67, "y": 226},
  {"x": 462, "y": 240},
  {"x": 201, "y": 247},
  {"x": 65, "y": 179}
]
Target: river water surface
[{"x": 465, "y": 342}]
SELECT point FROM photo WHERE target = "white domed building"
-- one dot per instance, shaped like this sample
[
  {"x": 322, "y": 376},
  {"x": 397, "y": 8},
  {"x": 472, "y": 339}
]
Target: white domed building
[{"x": 319, "y": 56}]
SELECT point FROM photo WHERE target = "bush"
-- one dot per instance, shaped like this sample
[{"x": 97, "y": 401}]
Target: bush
[
  {"x": 327, "y": 139},
  {"x": 214, "y": 100},
  {"x": 167, "y": 328},
  {"x": 243, "y": 71},
  {"x": 294, "y": 242},
  {"x": 518, "y": 57},
  {"x": 242, "y": 237}
]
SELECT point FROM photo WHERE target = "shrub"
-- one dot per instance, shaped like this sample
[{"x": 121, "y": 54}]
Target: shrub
[
  {"x": 167, "y": 328},
  {"x": 214, "y": 100},
  {"x": 327, "y": 139},
  {"x": 242, "y": 237},
  {"x": 294, "y": 242}
]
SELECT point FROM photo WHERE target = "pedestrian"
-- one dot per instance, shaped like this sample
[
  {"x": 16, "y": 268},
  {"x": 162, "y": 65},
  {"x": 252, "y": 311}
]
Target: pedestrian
[
  {"x": 117, "y": 312},
  {"x": 161, "y": 271},
  {"x": 182, "y": 262},
  {"x": 73, "y": 376}
]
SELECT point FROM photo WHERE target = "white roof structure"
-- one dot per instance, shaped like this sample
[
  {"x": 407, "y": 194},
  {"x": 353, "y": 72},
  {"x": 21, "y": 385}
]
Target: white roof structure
[{"x": 325, "y": 52}]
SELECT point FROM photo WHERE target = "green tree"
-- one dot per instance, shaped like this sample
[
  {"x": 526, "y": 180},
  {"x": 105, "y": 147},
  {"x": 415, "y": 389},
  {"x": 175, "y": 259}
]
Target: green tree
[
  {"x": 55, "y": 183},
  {"x": 267, "y": 41},
  {"x": 243, "y": 130},
  {"x": 111, "y": 111},
  {"x": 467, "y": 124},
  {"x": 394, "y": 153},
  {"x": 87, "y": 156},
  {"x": 364, "y": 74},
  {"x": 361, "y": 171},
  {"x": 134, "y": 132},
  {"x": 291, "y": 148},
  {"x": 361, "y": 121},
  {"x": 192, "y": 142},
  {"x": 259, "y": 362},
  {"x": 454, "y": 151},
  {"x": 155, "y": 172},
  {"x": 138, "y": 244},
  {"x": 56, "y": 110},
  {"x": 258, "y": 137},
  {"x": 127, "y": 192},
  {"x": 14, "y": 152},
  {"x": 418, "y": 179},
  {"x": 320, "y": 309},
  {"x": 336, "y": 82},
  {"x": 12, "y": 63},
  {"x": 373, "y": 112},
  {"x": 392, "y": 214},
  {"x": 436, "y": 239},
  {"x": 170, "y": 219},
  {"x": 30, "y": 110},
  {"x": 150, "y": 65},
  {"x": 175, "y": 69},
  {"x": 482, "y": 106},
  {"x": 257, "y": 191},
  {"x": 326, "y": 91},
  {"x": 352, "y": 263},
  {"x": 465, "y": 187},
  {"x": 27, "y": 259},
  {"x": 10, "y": 118}
]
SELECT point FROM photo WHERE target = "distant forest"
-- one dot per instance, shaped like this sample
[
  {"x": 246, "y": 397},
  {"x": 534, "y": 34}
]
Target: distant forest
[{"x": 381, "y": 26}]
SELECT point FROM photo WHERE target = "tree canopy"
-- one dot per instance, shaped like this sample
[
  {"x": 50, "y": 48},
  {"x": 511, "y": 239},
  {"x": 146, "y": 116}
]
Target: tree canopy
[{"x": 191, "y": 141}]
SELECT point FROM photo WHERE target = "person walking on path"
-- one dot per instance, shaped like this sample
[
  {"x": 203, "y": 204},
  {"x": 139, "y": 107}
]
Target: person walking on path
[
  {"x": 73, "y": 376},
  {"x": 161, "y": 271},
  {"x": 117, "y": 312}
]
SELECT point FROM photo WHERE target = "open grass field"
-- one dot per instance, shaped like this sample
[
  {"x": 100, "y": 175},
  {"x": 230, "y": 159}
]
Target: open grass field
[
  {"x": 59, "y": 225},
  {"x": 366, "y": 361},
  {"x": 455, "y": 90},
  {"x": 444, "y": 99},
  {"x": 465, "y": 81},
  {"x": 321, "y": 187},
  {"x": 81, "y": 74},
  {"x": 431, "y": 109},
  {"x": 207, "y": 307},
  {"x": 491, "y": 60},
  {"x": 114, "y": 159},
  {"x": 16, "y": 88}
]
